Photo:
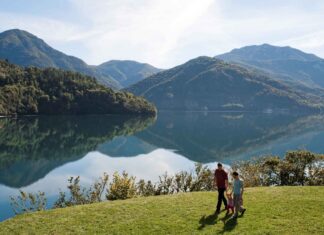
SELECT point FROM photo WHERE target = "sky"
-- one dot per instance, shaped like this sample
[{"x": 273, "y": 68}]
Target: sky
[{"x": 166, "y": 33}]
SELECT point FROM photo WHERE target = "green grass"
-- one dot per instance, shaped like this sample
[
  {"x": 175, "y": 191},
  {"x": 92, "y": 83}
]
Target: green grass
[{"x": 271, "y": 210}]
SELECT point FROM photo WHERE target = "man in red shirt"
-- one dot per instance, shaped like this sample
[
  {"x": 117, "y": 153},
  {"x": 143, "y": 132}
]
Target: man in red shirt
[{"x": 221, "y": 183}]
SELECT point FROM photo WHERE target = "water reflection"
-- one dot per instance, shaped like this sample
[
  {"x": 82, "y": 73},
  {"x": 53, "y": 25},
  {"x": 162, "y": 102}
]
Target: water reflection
[
  {"x": 210, "y": 137},
  {"x": 31, "y": 147}
]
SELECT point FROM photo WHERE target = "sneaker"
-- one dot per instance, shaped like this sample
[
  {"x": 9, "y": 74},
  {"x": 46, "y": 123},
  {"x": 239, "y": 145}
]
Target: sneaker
[
  {"x": 217, "y": 212},
  {"x": 242, "y": 213}
]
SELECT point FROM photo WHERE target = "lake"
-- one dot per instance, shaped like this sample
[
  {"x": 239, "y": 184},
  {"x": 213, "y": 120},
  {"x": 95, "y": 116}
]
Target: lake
[{"x": 41, "y": 153}]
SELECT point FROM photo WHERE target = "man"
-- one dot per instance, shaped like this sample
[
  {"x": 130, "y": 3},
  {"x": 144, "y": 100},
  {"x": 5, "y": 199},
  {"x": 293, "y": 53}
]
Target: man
[
  {"x": 238, "y": 189},
  {"x": 221, "y": 183}
]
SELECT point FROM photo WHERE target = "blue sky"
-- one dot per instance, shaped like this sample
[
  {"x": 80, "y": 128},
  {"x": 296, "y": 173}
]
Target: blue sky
[{"x": 165, "y": 33}]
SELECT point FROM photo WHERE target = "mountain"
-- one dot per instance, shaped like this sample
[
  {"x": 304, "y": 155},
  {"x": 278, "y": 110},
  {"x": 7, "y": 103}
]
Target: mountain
[
  {"x": 25, "y": 49},
  {"x": 126, "y": 72},
  {"x": 207, "y": 83},
  {"x": 284, "y": 63},
  {"x": 53, "y": 91}
]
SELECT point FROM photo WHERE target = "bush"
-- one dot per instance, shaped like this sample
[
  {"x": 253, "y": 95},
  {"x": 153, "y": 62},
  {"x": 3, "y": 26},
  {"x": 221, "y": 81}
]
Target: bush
[
  {"x": 258, "y": 171},
  {"x": 297, "y": 168},
  {"x": 79, "y": 195},
  {"x": 297, "y": 162},
  {"x": 165, "y": 185},
  {"x": 203, "y": 179},
  {"x": 28, "y": 202},
  {"x": 145, "y": 189},
  {"x": 182, "y": 181},
  {"x": 121, "y": 187}
]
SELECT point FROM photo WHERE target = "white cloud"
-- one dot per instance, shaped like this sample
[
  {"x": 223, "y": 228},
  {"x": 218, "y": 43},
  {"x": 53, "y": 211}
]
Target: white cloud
[
  {"x": 147, "y": 31},
  {"x": 168, "y": 32},
  {"x": 45, "y": 28},
  {"x": 312, "y": 42}
]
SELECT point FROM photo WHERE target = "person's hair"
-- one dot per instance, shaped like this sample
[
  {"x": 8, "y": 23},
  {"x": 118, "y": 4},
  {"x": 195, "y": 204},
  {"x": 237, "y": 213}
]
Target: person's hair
[
  {"x": 235, "y": 173},
  {"x": 219, "y": 164}
]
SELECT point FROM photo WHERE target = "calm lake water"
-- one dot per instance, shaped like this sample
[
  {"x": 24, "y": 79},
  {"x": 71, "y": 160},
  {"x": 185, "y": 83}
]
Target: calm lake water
[{"x": 41, "y": 153}]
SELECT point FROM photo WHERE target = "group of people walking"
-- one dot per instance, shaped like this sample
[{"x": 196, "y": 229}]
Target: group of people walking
[{"x": 234, "y": 201}]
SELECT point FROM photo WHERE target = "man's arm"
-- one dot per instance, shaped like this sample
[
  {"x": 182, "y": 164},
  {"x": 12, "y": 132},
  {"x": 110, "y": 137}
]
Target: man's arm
[
  {"x": 226, "y": 184},
  {"x": 215, "y": 180},
  {"x": 242, "y": 189}
]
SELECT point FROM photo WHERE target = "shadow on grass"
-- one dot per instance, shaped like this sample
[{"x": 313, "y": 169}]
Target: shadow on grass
[
  {"x": 229, "y": 224},
  {"x": 207, "y": 220}
]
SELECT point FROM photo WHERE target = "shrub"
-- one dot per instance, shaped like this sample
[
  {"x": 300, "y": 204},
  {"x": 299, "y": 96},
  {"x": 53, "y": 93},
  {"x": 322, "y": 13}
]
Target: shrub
[
  {"x": 203, "y": 179},
  {"x": 297, "y": 168},
  {"x": 270, "y": 168},
  {"x": 182, "y": 181},
  {"x": 79, "y": 195},
  {"x": 298, "y": 162},
  {"x": 165, "y": 185},
  {"x": 145, "y": 188},
  {"x": 250, "y": 171},
  {"x": 121, "y": 187},
  {"x": 28, "y": 202}
]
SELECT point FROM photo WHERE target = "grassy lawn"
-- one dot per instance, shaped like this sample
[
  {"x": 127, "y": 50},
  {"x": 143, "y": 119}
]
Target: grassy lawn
[{"x": 271, "y": 210}]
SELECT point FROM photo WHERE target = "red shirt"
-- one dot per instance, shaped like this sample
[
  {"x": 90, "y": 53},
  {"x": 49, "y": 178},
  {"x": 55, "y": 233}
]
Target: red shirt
[{"x": 220, "y": 176}]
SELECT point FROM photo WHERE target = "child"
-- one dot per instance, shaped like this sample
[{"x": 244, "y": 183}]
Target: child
[
  {"x": 238, "y": 190},
  {"x": 230, "y": 202}
]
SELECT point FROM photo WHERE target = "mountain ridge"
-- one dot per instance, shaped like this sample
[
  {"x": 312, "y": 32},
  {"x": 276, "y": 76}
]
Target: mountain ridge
[
  {"x": 25, "y": 49},
  {"x": 276, "y": 52},
  {"x": 283, "y": 63},
  {"x": 207, "y": 83}
]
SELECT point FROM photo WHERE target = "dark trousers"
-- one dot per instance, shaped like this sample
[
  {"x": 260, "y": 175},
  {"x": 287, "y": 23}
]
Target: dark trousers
[{"x": 221, "y": 198}]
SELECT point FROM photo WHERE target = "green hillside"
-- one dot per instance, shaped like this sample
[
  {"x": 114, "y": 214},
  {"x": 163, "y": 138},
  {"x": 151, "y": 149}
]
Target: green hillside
[
  {"x": 52, "y": 91},
  {"x": 210, "y": 84},
  {"x": 270, "y": 210}
]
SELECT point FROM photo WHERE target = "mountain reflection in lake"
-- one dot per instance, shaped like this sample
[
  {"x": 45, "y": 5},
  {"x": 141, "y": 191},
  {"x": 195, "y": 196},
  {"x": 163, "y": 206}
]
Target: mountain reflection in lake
[{"x": 41, "y": 153}]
